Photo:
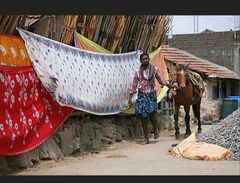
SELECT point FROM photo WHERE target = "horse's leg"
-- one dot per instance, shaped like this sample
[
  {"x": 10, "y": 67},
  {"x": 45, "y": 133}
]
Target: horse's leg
[
  {"x": 145, "y": 129},
  {"x": 153, "y": 118},
  {"x": 176, "y": 112},
  {"x": 196, "y": 110},
  {"x": 187, "y": 119}
]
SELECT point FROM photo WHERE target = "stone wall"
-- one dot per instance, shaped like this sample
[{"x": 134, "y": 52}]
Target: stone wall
[{"x": 78, "y": 135}]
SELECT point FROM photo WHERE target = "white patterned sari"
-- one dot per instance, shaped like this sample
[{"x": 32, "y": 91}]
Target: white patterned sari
[{"x": 93, "y": 82}]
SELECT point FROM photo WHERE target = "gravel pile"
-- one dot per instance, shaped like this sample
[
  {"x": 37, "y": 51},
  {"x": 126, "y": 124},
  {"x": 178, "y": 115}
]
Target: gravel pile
[{"x": 225, "y": 133}]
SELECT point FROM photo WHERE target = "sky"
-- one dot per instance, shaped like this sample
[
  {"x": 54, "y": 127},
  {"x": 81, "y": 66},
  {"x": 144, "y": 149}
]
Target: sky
[{"x": 185, "y": 24}]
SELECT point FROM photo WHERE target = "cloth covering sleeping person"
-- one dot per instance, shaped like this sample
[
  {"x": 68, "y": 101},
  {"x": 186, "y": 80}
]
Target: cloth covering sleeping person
[{"x": 146, "y": 103}]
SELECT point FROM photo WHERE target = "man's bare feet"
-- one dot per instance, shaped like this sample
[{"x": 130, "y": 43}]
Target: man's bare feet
[
  {"x": 156, "y": 135},
  {"x": 146, "y": 141}
]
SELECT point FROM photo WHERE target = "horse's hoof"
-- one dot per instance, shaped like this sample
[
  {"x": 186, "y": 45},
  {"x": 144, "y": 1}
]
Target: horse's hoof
[
  {"x": 174, "y": 145},
  {"x": 199, "y": 130},
  {"x": 177, "y": 136},
  {"x": 186, "y": 135}
]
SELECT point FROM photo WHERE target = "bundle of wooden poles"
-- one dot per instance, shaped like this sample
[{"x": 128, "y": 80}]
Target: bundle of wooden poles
[
  {"x": 117, "y": 33},
  {"x": 125, "y": 33},
  {"x": 8, "y": 23}
]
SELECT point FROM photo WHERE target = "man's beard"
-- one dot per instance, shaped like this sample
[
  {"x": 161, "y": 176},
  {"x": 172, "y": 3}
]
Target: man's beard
[{"x": 145, "y": 64}]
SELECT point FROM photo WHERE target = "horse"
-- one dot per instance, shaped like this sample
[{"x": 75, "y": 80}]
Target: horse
[{"x": 186, "y": 94}]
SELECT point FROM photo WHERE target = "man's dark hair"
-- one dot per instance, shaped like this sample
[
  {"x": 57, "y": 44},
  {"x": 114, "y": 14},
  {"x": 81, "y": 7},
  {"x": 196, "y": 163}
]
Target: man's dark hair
[{"x": 143, "y": 54}]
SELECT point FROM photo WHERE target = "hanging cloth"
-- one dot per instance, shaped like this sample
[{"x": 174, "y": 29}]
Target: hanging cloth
[
  {"x": 13, "y": 51},
  {"x": 28, "y": 113},
  {"x": 93, "y": 82}
]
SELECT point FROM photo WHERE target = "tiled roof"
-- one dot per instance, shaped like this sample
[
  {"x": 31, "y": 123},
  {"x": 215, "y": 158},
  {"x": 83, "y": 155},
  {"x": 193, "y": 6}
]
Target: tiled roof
[{"x": 198, "y": 64}]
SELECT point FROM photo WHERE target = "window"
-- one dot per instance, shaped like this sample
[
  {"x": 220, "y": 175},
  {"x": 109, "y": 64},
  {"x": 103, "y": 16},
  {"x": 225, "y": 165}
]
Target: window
[
  {"x": 223, "y": 89},
  {"x": 215, "y": 90}
]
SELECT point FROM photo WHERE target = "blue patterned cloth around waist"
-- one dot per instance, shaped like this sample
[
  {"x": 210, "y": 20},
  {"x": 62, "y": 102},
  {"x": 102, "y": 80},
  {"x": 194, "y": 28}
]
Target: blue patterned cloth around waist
[{"x": 146, "y": 103}]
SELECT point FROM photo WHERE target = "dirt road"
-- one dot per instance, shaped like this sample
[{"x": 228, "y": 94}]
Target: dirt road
[{"x": 133, "y": 158}]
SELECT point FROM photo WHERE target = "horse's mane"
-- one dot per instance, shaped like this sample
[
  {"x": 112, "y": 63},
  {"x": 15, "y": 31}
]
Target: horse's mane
[{"x": 181, "y": 67}]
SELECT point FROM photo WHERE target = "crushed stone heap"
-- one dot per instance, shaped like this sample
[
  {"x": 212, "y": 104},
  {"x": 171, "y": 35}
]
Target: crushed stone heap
[{"x": 225, "y": 133}]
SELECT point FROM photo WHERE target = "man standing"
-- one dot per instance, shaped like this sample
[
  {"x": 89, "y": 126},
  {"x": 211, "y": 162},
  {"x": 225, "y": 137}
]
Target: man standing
[{"x": 146, "y": 104}]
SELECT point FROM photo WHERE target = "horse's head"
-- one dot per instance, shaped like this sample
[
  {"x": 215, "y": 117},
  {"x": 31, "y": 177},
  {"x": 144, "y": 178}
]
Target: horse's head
[{"x": 182, "y": 77}]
